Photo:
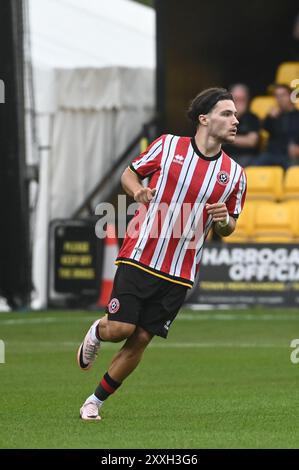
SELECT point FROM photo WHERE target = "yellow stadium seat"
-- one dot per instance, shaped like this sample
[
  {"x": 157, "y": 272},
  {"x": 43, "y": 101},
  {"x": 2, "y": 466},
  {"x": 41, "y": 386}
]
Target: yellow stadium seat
[
  {"x": 261, "y": 105},
  {"x": 275, "y": 223},
  {"x": 286, "y": 73},
  {"x": 274, "y": 239},
  {"x": 294, "y": 205},
  {"x": 264, "y": 182},
  {"x": 291, "y": 183},
  {"x": 245, "y": 225}
]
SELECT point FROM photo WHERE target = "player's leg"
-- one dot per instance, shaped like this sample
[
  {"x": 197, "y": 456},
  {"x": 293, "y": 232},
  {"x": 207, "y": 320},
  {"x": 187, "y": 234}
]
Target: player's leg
[
  {"x": 129, "y": 356},
  {"x": 120, "y": 323},
  {"x": 122, "y": 365},
  {"x": 156, "y": 317},
  {"x": 101, "y": 330},
  {"x": 113, "y": 331},
  {"x": 139, "y": 299}
]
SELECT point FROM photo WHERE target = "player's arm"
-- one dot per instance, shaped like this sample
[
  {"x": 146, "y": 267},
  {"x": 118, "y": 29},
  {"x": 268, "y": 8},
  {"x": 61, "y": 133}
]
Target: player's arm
[
  {"x": 224, "y": 223},
  {"x": 133, "y": 187}
]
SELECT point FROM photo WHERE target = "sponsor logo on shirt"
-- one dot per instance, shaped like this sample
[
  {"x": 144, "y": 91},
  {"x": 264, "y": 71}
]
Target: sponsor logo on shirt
[{"x": 178, "y": 159}]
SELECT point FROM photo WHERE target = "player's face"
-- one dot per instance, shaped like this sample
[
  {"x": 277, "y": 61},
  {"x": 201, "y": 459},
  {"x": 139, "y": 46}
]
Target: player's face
[{"x": 222, "y": 121}]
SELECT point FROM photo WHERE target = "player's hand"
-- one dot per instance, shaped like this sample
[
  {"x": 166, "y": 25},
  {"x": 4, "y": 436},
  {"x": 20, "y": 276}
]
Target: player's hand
[
  {"x": 218, "y": 211},
  {"x": 144, "y": 195}
]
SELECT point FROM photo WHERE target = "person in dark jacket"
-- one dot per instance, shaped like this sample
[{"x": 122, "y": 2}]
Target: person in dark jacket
[
  {"x": 244, "y": 150},
  {"x": 282, "y": 124}
]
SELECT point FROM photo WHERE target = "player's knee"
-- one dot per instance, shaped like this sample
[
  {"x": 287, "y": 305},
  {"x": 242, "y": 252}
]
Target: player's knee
[
  {"x": 136, "y": 344},
  {"x": 120, "y": 331},
  {"x": 142, "y": 337}
]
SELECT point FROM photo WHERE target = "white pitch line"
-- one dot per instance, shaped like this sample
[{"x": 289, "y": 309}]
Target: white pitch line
[
  {"x": 216, "y": 345},
  {"x": 166, "y": 345},
  {"x": 236, "y": 316},
  {"x": 24, "y": 321},
  {"x": 181, "y": 317}
]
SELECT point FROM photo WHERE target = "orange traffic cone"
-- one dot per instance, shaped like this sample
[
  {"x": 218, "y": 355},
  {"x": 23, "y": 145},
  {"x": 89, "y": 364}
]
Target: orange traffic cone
[{"x": 109, "y": 268}]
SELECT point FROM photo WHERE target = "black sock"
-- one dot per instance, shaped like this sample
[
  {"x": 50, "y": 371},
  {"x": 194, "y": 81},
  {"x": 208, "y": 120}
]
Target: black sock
[{"x": 106, "y": 387}]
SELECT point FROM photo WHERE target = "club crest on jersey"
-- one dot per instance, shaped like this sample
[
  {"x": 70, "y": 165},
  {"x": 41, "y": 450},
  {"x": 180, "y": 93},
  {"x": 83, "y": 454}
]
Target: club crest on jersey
[
  {"x": 223, "y": 177},
  {"x": 113, "y": 305}
]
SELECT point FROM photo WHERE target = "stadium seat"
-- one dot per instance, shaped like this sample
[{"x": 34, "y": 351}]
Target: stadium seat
[
  {"x": 294, "y": 207},
  {"x": 286, "y": 73},
  {"x": 276, "y": 223},
  {"x": 291, "y": 183},
  {"x": 264, "y": 182},
  {"x": 261, "y": 105},
  {"x": 245, "y": 225}
]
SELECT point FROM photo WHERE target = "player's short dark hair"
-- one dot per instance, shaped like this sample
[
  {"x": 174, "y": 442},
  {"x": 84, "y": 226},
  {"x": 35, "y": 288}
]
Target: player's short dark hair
[{"x": 205, "y": 101}]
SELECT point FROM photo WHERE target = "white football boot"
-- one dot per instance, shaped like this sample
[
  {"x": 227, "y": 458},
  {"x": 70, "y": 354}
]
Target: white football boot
[
  {"x": 88, "y": 350},
  {"x": 89, "y": 411}
]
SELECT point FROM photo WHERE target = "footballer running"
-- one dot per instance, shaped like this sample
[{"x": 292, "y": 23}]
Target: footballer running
[{"x": 155, "y": 267}]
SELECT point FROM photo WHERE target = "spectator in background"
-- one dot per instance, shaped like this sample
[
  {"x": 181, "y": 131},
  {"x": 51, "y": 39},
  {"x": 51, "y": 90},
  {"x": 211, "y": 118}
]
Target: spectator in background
[
  {"x": 282, "y": 124},
  {"x": 245, "y": 147}
]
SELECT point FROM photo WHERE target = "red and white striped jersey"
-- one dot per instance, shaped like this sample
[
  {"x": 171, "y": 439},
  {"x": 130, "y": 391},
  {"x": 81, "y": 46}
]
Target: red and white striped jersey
[{"x": 169, "y": 242}]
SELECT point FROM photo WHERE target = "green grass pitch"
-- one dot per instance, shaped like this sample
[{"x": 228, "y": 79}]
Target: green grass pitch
[{"x": 221, "y": 380}]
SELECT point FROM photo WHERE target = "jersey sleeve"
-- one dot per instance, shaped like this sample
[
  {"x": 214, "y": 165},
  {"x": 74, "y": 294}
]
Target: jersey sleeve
[
  {"x": 149, "y": 161},
  {"x": 236, "y": 200}
]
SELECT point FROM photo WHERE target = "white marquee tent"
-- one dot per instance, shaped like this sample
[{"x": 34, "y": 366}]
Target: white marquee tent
[
  {"x": 93, "y": 69},
  {"x": 92, "y": 33}
]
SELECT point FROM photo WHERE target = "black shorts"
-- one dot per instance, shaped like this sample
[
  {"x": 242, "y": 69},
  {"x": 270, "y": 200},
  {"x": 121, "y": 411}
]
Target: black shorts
[{"x": 145, "y": 300}]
